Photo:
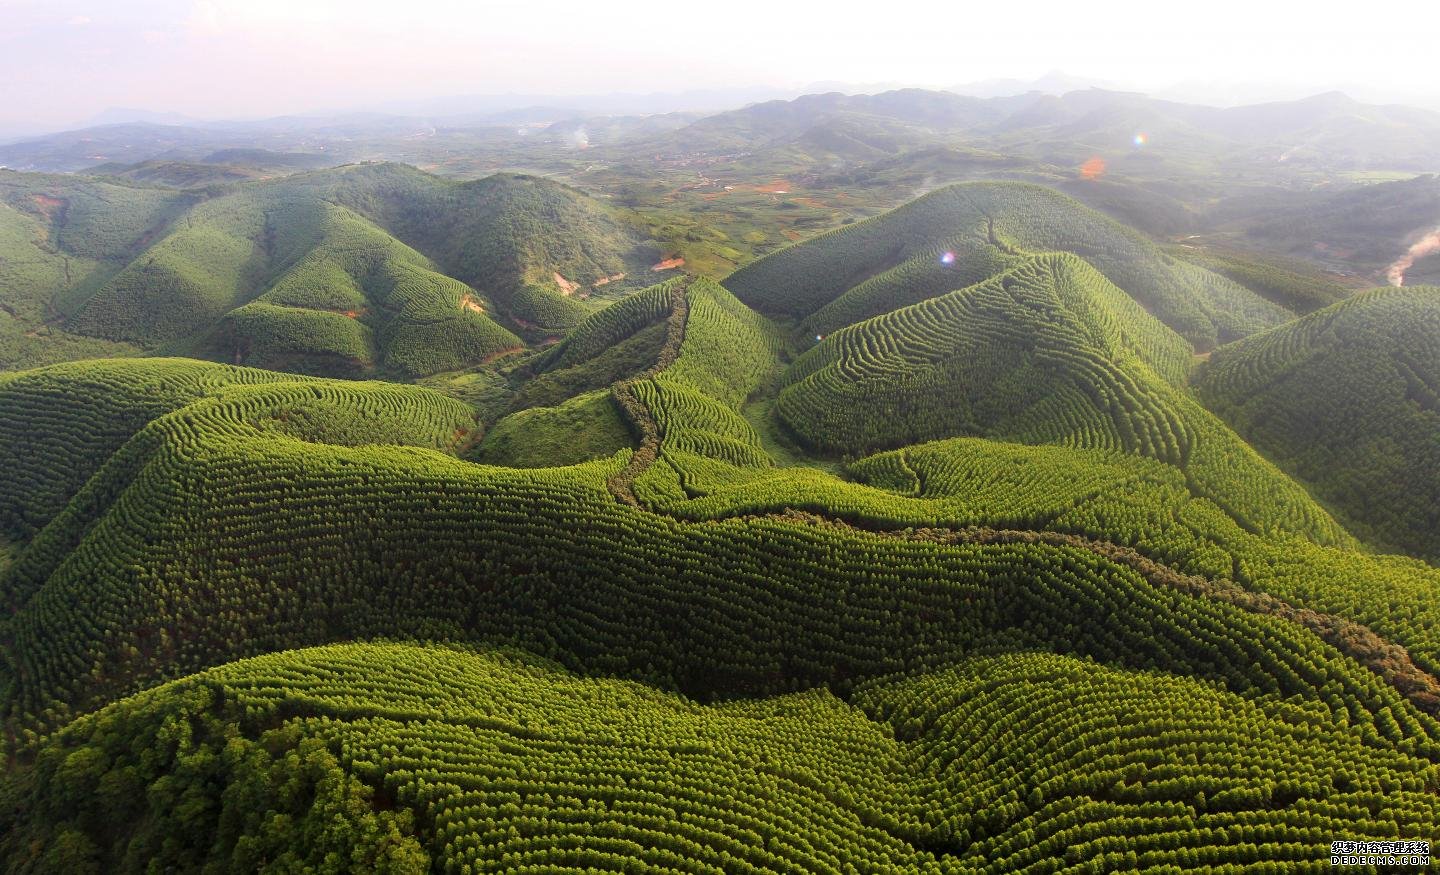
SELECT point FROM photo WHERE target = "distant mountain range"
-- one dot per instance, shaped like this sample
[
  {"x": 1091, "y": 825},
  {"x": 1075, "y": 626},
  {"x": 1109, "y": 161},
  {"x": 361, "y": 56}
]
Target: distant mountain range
[
  {"x": 1331, "y": 130},
  {"x": 1054, "y": 82}
]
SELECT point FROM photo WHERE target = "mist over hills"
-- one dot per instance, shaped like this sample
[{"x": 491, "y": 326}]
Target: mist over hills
[
  {"x": 1056, "y": 82},
  {"x": 1346, "y": 132}
]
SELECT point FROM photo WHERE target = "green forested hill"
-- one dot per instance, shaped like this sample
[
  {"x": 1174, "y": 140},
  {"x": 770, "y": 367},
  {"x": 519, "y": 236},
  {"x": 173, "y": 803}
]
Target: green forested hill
[
  {"x": 258, "y": 519},
  {"x": 1293, "y": 284},
  {"x": 948, "y": 571},
  {"x": 361, "y": 300},
  {"x": 515, "y": 765},
  {"x": 973, "y": 220},
  {"x": 1048, "y": 352},
  {"x": 510, "y": 236},
  {"x": 60, "y": 239},
  {"x": 84, "y": 413},
  {"x": 1348, "y": 401},
  {"x": 565, "y": 412},
  {"x": 346, "y": 271},
  {"x": 746, "y": 608}
]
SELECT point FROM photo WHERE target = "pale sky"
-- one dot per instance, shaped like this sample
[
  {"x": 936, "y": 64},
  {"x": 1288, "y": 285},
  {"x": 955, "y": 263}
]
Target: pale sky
[{"x": 63, "y": 61}]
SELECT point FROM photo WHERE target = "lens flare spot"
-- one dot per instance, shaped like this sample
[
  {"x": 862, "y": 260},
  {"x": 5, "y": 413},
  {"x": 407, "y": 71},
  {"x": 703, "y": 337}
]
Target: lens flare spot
[
  {"x": 1093, "y": 168},
  {"x": 1141, "y": 139},
  {"x": 819, "y": 337},
  {"x": 947, "y": 258}
]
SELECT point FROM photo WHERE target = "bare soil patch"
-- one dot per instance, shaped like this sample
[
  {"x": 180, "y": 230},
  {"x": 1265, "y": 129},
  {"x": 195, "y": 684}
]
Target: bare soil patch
[
  {"x": 500, "y": 354},
  {"x": 566, "y": 287},
  {"x": 48, "y": 205}
]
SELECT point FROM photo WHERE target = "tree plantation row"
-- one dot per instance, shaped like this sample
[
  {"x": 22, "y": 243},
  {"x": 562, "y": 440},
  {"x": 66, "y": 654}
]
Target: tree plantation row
[{"x": 943, "y": 565}]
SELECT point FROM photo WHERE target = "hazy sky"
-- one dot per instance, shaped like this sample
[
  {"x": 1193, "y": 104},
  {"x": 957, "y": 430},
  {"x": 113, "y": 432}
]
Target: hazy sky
[{"x": 63, "y": 61}]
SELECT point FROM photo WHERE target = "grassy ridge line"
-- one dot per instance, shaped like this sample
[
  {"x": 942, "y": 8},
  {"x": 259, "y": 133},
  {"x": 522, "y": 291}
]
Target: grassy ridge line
[
  {"x": 1050, "y": 352},
  {"x": 637, "y": 413},
  {"x": 1204, "y": 307},
  {"x": 221, "y": 539},
  {"x": 1389, "y": 660}
]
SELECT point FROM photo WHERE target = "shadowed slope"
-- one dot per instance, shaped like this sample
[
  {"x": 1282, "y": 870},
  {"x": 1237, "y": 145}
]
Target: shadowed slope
[{"x": 1348, "y": 401}]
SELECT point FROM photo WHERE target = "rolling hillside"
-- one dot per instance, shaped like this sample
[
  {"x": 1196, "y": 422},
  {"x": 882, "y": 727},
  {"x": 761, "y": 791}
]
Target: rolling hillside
[
  {"x": 565, "y": 412},
  {"x": 62, "y": 238},
  {"x": 1348, "y": 401},
  {"x": 1326, "y": 131},
  {"x": 1049, "y": 352},
  {"x": 1365, "y": 225},
  {"x": 358, "y": 270},
  {"x": 410, "y": 542},
  {"x": 857, "y": 125},
  {"x": 1323, "y": 131},
  {"x": 992, "y": 219},
  {"x": 908, "y": 548},
  {"x": 359, "y": 300},
  {"x": 611, "y": 775}
]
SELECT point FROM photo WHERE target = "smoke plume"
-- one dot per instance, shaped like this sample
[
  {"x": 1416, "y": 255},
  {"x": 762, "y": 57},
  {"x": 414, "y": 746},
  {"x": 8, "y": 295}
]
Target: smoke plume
[{"x": 1418, "y": 250}]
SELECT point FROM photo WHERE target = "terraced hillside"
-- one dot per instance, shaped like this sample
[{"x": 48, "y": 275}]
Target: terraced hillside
[
  {"x": 185, "y": 552},
  {"x": 972, "y": 583},
  {"x": 565, "y": 412},
  {"x": 356, "y": 270},
  {"x": 1348, "y": 401},
  {"x": 107, "y": 405},
  {"x": 1223, "y": 513},
  {"x": 608, "y": 775},
  {"x": 1049, "y": 352},
  {"x": 984, "y": 221}
]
